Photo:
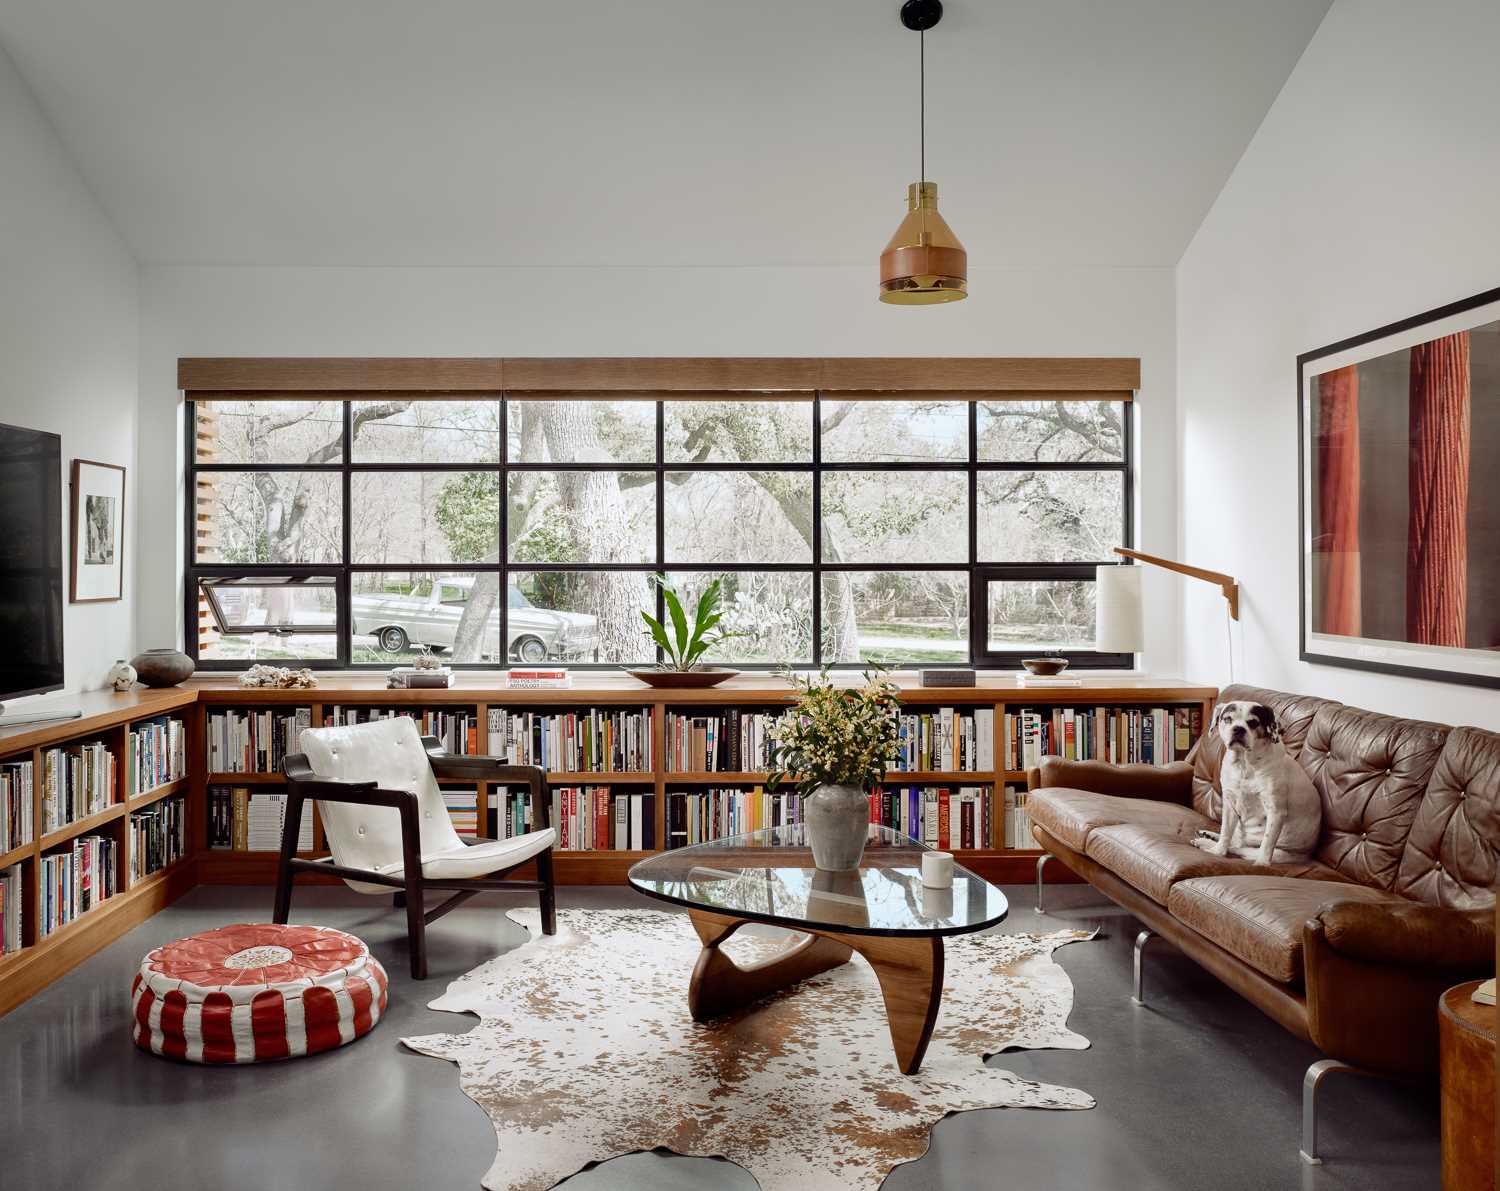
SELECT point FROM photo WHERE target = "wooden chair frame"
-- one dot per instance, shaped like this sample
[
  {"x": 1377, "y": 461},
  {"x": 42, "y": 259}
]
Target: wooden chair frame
[{"x": 303, "y": 783}]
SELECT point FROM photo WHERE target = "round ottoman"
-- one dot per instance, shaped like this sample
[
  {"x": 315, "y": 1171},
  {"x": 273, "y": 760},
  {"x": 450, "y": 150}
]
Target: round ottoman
[{"x": 253, "y": 992}]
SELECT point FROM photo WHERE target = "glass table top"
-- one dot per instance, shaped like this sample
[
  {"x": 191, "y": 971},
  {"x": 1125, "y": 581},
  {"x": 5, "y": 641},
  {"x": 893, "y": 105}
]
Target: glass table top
[{"x": 768, "y": 876}]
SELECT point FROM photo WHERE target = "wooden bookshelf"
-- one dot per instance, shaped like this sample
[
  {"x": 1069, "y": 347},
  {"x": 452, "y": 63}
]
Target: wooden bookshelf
[{"x": 108, "y": 717}]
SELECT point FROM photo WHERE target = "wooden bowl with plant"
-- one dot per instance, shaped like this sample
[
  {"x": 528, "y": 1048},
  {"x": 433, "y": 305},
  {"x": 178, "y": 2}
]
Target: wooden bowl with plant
[{"x": 685, "y": 638}]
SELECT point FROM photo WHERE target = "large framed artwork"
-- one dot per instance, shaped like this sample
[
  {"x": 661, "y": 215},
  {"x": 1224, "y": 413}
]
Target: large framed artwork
[
  {"x": 98, "y": 543},
  {"x": 1399, "y": 497}
]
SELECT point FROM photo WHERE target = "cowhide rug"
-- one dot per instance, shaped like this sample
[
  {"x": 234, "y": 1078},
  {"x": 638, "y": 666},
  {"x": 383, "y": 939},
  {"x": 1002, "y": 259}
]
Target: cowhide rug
[{"x": 584, "y": 1050}]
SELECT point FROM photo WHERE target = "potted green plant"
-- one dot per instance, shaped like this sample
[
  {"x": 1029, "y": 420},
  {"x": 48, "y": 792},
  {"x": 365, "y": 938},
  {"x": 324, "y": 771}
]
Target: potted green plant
[
  {"x": 685, "y": 638},
  {"x": 835, "y": 746}
]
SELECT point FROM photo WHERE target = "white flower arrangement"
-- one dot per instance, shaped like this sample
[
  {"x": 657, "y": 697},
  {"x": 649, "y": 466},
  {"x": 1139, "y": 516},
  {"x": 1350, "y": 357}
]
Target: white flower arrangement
[{"x": 836, "y": 736}]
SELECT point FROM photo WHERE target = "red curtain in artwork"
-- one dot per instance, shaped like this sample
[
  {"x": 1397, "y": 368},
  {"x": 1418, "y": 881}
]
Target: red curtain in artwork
[
  {"x": 1438, "y": 493},
  {"x": 1337, "y": 546}
]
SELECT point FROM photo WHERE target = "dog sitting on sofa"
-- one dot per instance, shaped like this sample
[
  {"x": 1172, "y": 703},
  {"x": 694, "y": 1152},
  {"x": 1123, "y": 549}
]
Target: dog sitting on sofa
[{"x": 1272, "y": 813}]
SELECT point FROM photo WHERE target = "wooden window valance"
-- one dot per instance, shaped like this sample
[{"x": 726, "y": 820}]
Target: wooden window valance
[{"x": 655, "y": 378}]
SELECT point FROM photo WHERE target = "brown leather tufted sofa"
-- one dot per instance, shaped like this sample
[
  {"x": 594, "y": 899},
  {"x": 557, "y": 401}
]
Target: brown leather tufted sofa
[{"x": 1349, "y": 950}]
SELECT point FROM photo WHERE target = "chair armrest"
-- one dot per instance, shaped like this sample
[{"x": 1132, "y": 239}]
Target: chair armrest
[
  {"x": 1414, "y": 934},
  {"x": 490, "y": 769},
  {"x": 303, "y": 780},
  {"x": 1162, "y": 783}
]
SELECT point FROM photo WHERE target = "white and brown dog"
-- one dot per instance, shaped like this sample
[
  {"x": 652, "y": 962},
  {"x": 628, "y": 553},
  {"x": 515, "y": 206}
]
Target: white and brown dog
[{"x": 1272, "y": 812}]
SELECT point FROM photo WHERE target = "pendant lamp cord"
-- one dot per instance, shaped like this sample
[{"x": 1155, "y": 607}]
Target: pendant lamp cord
[{"x": 922, "y": 101}]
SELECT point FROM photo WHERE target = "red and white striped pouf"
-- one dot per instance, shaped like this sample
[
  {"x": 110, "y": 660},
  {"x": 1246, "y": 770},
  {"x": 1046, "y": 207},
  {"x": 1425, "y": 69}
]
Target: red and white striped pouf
[{"x": 253, "y": 992}]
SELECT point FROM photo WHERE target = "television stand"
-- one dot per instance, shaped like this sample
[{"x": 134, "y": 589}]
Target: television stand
[{"x": 37, "y": 715}]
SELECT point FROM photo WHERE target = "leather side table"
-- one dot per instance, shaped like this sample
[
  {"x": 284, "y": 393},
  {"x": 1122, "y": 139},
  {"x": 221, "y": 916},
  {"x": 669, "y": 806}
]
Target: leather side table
[{"x": 1466, "y": 1051}]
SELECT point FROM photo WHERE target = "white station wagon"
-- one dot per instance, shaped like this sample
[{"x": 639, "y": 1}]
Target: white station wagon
[{"x": 536, "y": 634}]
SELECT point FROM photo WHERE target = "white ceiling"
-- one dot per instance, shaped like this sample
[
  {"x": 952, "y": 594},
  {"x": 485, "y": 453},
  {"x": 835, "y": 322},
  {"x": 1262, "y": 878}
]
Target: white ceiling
[{"x": 663, "y": 132}]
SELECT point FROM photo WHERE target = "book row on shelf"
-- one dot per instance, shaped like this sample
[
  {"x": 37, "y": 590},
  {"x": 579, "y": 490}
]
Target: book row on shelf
[
  {"x": 16, "y": 800},
  {"x": 598, "y": 740},
  {"x": 158, "y": 837},
  {"x": 937, "y": 816},
  {"x": 156, "y": 753},
  {"x": 10, "y": 909},
  {"x": 731, "y": 741},
  {"x": 735, "y": 741},
  {"x": 587, "y": 818},
  {"x": 77, "y": 781},
  {"x": 947, "y": 739},
  {"x": 254, "y": 741},
  {"x": 75, "y": 881},
  {"x": 244, "y": 820},
  {"x": 696, "y": 817},
  {"x": 457, "y": 729},
  {"x": 1120, "y": 735}
]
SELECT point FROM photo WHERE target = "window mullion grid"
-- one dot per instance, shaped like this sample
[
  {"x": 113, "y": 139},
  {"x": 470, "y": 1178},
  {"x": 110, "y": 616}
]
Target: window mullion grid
[
  {"x": 502, "y": 558},
  {"x": 658, "y": 596},
  {"x": 344, "y": 614},
  {"x": 817, "y": 530},
  {"x": 980, "y": 573}
]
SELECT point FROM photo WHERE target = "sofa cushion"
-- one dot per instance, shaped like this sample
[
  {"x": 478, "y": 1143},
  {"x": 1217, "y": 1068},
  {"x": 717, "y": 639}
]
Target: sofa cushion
[
  {"x": 1153, "y": 863},
  {"x": 1294, "y": 714},
  {"x": 1071, "y": 815},
  {"x": 1371, "y": 771},
  {"x": 1450, "y": 854},
  {"x": 1259, "y": 919}
]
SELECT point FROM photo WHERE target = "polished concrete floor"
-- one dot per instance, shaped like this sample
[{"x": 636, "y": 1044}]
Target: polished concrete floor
[{"x": 1196, "y": 1090}]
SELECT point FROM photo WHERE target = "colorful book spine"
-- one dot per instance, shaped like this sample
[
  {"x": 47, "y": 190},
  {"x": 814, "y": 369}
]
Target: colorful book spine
[{"x": 599, "y": 740}]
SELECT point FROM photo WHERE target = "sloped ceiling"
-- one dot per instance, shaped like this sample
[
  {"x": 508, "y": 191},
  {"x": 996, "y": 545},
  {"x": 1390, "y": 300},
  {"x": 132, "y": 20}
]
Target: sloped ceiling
[{"x": 673, "y": 132}]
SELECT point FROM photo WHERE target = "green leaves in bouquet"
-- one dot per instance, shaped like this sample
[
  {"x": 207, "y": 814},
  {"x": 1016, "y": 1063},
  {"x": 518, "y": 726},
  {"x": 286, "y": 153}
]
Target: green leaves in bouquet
[{"x": 685, "y": 641}]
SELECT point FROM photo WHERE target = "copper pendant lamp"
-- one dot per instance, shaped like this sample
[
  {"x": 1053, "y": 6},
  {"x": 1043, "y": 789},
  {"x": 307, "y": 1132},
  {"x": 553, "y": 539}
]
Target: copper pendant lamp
[{"x": 924, "y": 261}]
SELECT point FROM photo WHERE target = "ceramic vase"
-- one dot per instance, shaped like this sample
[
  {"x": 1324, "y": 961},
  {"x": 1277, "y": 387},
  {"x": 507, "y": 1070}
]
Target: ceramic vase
[
  {"x": 162, "y": 667},
  {"x": 837, "y": 819},
  {"x": 121, "y": 675}
]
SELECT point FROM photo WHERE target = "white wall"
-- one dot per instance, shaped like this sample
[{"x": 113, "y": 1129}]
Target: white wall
[
  {"x": 68, "y": 341},
  {"x": 1368, "y": 195},
  {"x": 195, "y": 311}
]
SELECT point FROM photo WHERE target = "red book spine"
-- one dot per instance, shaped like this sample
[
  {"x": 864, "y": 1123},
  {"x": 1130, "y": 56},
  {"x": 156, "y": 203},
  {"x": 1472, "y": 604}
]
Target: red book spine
[{"x": 943, "y": 820}]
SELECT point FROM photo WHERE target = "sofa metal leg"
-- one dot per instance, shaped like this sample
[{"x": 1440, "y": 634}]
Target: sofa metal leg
[
  {"x": 1138, "y": 995},
  {"x": 1041, "y": 863},
  {"x": 1310, "y": 1084}
]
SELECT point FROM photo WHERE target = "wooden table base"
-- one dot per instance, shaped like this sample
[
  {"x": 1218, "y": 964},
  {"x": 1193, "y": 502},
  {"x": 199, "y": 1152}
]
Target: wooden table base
[{"x": 910, "y": 971}]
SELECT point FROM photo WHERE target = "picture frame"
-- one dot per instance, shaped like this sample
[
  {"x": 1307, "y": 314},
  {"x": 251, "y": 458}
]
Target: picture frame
[
  {"x": 96, "y": 572},
  {"x": 1398, "y": 518}
]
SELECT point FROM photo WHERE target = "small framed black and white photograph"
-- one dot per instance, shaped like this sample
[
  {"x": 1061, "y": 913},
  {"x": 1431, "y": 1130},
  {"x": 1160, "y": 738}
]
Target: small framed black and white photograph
[{"x": 98, "y": 568}]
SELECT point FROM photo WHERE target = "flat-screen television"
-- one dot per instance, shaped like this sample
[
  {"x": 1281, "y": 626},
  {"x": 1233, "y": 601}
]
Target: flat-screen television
[{"x": 31, "y": 562}]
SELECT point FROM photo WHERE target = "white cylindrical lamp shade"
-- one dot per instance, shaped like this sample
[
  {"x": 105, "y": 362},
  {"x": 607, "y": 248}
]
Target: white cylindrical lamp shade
[{"x": 1117, "y": 610}]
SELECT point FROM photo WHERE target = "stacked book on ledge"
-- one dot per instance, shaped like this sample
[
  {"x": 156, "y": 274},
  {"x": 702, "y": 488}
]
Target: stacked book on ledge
[
  {"x": 77, "y": 781},
  {"x": 587, "y": 818},
  {"x": 457, "y": 729},
  {"x": 157, "y": 837},
  {"x": 243, "y": 820},
  {"x": 595, "y": 741},
  {"x": 254, "y": 741},
  {"x": 947, "y": 740},
  {"x": 940, "y": 818},
  {"x": 730, "y": 741},
  {"x": 155, "y": 754},
  {"x": 10, "y": 909},
  {"x": 463, "y": 809},
  {"x": 75, "y": 881},
  {"x": 702, "y": 815},
  {"x": 16, "y": 789},
  {"x": 1119, "y": 735}
]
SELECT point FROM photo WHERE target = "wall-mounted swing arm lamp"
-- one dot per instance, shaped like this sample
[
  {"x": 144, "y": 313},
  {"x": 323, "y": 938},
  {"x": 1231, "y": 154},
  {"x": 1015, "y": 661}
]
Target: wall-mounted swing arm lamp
[{"x": 1118, "y": 620}]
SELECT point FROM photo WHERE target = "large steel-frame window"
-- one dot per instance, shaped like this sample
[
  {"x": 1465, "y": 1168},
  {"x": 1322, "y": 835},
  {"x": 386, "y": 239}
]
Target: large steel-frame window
[{"x": 988, "y": 582}]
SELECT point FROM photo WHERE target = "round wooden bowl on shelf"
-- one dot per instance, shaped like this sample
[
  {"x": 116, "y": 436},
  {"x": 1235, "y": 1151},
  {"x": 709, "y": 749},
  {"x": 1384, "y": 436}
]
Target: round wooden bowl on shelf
[
  {"x": 1046, "y": 667},
  {"x": 695, "y": 679}
]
